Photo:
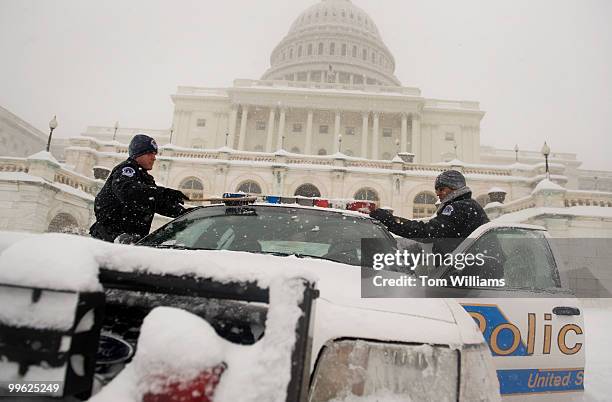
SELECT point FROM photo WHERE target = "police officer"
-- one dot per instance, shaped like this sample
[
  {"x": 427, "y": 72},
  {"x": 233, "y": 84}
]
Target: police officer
[
  {"x": 130, "y": 198},
  {"x": 457, "y": 216}
]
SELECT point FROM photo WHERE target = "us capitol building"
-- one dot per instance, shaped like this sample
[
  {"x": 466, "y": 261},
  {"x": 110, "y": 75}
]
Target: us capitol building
[{"x": 328, "y": 118}]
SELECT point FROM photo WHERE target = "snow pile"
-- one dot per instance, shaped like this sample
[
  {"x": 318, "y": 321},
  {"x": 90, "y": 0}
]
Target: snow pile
[
  {"x": 547, "y": 185},
  {"x": 52, "y": 261},
  {"x": 177, "y": 343},
  {"x": 54, "y": 310},
  {"x": 178, "y": 346},
  {"x": 174, "y": 347},
  {"x": 68, "y": 262}
]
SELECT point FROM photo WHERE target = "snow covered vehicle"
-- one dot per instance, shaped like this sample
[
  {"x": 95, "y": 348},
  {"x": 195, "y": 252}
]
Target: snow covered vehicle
[{"x": 279, "y": 289}]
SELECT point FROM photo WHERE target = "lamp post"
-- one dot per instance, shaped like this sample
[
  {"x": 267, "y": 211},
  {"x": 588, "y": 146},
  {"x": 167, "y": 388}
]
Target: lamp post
[
  {"x": 171, "y": 133},
  {"x": 283, "y": 142},
  {"x": 52, "y": 126},
  {"x": 455, "y": 148},
  {"x": 340, "y": 143},
  {"x": 226, "y": 138},
  {"x": 546, "y": 151},
  {"x": 115, "y": 132},
  {"x": 516, "y": 149}
]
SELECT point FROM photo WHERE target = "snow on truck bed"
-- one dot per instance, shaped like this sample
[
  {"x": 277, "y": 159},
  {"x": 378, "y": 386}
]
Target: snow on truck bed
[{"x": 67, "y": 262}]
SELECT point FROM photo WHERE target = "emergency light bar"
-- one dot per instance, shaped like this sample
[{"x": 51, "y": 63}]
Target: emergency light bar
[{"x": 237, "y": 199}]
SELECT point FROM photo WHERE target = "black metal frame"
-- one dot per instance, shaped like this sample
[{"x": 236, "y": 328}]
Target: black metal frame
[
  {"x": 189, "y": 285},
  {"x": 28, "y": 346}
]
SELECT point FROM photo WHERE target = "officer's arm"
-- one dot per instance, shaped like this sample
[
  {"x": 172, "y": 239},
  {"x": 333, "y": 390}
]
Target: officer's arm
[{"x": 438, "y": 227}]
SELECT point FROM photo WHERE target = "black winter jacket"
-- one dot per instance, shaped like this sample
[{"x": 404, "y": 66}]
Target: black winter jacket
[
  {"x": 128, "y": 201},
  {"x": 455, "y": 220}
]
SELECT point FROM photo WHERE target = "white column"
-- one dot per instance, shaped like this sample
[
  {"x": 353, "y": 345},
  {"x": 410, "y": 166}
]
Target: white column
[
  {"x": 232, "y": 124},
  {"x": 308, "y": 145},
  {"x": 270, "y": 134},
  {"x": 336, "y": 131},
  {"x": 364, "y": 133},
  {"x": 351, "y": 79},
  {"x": 308, "y": 76},
  {"x": 476, "y": 143},
  {"x": 281, "y": 129},
  {"x": 404, "y": 133},
  {"x": 243, "y": 124},
  {"x": 375, "y": 136},
  {"x": 416, "y": 137}
]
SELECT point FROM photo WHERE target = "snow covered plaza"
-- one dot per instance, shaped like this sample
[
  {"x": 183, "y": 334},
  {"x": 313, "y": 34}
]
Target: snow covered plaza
[{"x": 328, "y": 118}]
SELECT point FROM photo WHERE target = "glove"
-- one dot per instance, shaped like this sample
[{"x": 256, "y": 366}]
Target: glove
[
  {"x": 176, "y": 196},
  {"x": 383, "y": 215}
]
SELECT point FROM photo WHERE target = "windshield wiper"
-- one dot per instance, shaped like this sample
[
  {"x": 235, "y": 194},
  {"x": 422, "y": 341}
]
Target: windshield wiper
[{"x": 178, "y": 247}]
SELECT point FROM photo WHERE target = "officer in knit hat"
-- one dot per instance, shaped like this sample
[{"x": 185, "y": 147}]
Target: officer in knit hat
[
  {"x": 130, "y": 198},
  {"x": 457, "y": 216}
]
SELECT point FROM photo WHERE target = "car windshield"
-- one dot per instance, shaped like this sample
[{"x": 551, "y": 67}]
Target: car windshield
[{"x": 273, "y": 230}]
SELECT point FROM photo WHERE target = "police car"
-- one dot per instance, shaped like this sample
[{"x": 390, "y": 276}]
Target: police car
[{"x": 417, "y": 349}]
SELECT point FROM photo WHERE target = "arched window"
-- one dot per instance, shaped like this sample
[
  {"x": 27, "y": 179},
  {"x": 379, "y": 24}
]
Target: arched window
[
  {"x": 322, "y": 151},
  {"x": 354, "y": 54},
  {"x": 310, "y": 49},
  {"x": 63, "y": 223},
  {"x": 367, "y": 194},
  {"x": 332, "y": 48},
  {"x": 483, "y": 199},
  {"x": 343, "y": 49},
  {"x": 249, "y": 187},
  {"x": 320, "y": 48},
  {"x": 300, "y": 51},
  {"x": 307, "y": 190},
  {"x": 192, "y": 187},
  {"x": 295, "y": 150},
  {"x": 291, "y": 53},
  {"x": 424, "y": 205}
]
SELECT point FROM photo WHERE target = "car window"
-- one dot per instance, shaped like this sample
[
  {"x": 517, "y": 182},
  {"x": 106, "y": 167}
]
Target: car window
[
  {"x": 280, "y": 230},
  {"x": 522, "y": 257}
]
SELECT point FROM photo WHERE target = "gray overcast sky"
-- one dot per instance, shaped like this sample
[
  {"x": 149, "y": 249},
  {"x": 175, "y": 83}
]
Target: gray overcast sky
[{"x": 540, "y": 68}]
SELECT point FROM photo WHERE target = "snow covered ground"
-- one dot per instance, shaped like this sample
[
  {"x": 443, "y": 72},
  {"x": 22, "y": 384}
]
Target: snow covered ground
[{"x": 598, "y": 376}]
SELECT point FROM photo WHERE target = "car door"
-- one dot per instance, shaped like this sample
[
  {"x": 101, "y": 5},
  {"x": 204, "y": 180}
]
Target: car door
[{"x": 533, "y": 325}]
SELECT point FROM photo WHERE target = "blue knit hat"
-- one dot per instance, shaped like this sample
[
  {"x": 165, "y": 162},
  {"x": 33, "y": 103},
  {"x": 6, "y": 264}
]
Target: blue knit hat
[
  {"x": 142, "y": 144},
  {"x": 452, "y": 179}
]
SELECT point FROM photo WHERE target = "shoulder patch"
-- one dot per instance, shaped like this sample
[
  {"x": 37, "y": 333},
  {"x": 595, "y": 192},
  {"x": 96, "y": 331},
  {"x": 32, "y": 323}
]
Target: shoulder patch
[
  {"x": 448, "y": 210},
  {"x": 128, "y": 171}
]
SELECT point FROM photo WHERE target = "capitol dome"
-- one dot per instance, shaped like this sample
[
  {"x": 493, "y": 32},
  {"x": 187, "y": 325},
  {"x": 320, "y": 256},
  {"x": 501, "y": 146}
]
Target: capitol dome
[{"x": 333, "y": 41}]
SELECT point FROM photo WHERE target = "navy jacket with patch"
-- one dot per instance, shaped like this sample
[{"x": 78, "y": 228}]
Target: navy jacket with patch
[
  {"x": 128, "y": 201},
  {"x": 455, "y": 220}
]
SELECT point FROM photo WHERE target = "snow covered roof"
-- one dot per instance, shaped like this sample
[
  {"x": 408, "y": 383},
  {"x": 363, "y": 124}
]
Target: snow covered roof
[{"x": 578, "y": 211}]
